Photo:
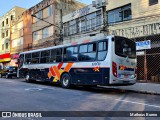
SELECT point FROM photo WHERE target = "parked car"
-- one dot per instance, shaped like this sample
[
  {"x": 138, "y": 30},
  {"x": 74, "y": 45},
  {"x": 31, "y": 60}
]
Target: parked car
[{"x": 9, "y": 72}]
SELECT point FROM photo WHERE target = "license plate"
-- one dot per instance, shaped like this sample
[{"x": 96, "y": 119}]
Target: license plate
[{"x": 125, "y": 76}]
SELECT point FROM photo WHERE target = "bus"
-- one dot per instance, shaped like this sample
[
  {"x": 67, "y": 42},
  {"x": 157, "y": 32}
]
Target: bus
[{"x": 99, "y": 60}]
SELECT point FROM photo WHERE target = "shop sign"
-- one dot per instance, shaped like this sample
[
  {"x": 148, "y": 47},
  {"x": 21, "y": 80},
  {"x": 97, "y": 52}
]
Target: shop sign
[
  {"x": 141, "y": 45},
  {"x": 138, "y": 31},
  {"x": 5, "y": 57},
  {"x": 140, "y": 53}
]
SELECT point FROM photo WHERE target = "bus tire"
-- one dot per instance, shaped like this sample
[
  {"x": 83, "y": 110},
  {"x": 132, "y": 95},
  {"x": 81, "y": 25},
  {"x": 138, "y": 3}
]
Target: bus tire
[
  {"x": 0, "y": 75},
  {"x": 27, "y": 78},
  {"x": 65, "y": 80}
]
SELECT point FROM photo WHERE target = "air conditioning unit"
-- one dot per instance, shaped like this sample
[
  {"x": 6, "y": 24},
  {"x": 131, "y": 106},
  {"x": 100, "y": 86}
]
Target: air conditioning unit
[{"x": 100, "y": 3}]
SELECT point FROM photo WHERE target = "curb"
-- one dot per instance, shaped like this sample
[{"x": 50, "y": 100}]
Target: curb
[{"x": 134, "y": 91}]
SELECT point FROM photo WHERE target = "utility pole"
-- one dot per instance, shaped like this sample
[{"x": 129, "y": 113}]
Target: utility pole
[
  {"x": 105, "y": 18},
  {"x": 61, "y": 27}
]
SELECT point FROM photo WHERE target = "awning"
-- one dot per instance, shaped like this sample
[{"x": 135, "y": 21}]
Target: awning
[
  {"x": 15, "y": 56},
  {"x": 5, "y": 57}
]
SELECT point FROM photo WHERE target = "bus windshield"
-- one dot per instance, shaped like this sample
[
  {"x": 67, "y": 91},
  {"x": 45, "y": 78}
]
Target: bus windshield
[{"x": 125, "y": 47}]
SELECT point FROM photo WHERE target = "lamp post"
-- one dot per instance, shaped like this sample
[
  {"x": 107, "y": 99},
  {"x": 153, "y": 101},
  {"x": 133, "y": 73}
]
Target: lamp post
[{"x": 60, "y": 28}]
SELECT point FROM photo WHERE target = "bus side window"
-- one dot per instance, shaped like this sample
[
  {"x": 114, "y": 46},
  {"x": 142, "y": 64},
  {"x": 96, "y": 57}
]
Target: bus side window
[
  {"x": 56, "y": 55},
  {"x": 59, "y": 55},
  {"x": 35, "y": 57},
  {"x": 87, "y": 52},
  {"x": 28, "y": 58},
  {"x": 102, "y": 50},
  {"x": 45, "y": 56},
  {"x": 70, "y": 54}
]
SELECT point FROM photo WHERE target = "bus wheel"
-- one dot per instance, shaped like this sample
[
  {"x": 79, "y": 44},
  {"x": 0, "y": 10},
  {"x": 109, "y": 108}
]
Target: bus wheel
[
  {"x": 27, "y": 78},
  {"x": 65, "y": 80},
  {"x": 0, "y": 75}
]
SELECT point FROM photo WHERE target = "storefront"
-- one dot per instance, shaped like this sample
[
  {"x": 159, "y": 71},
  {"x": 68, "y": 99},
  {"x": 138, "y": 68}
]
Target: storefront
[
  {"x": 14, "y": 59},
  {"x": 5, "y": 59}
]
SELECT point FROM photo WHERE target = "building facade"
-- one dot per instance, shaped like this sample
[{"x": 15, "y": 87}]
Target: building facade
[
  {"x": 135, "y": 19},
  {"x": 35, "y": 27},
  {"x": 139, "y": 20},
  {"x": 16, "y": 39},
  {"x": 5, "y": 21},
  {"x": 47, "y": 21},
  {"x": 82, "y": 23}
]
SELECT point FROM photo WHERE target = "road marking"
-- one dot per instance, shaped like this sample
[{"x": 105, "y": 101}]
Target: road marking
[
  {"x": 33, "y": 89},
  {"x": 138, "y": 103}
]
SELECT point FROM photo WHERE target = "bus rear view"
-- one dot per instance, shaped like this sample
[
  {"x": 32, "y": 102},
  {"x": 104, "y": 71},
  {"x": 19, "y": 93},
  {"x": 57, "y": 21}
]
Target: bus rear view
[{"x": 123, "y": 61}]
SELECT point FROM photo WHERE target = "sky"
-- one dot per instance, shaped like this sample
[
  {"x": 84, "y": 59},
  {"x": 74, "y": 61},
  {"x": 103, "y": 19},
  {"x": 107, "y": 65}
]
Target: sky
[{"x": 7, "y": 5}]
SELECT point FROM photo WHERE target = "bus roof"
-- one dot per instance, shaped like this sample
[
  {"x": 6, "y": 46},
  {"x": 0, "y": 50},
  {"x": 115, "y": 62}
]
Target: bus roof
[{"x": 82, "y": 40}]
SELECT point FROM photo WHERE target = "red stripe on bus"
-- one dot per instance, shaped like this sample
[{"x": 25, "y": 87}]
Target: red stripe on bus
[
  {"x": 57, "y": 72},
  {"x": 74, "y": 43},
  {"x": 59, "y": 65},
  {"x": 52, "y": 71},
  {"x": 86, "y": 41}
]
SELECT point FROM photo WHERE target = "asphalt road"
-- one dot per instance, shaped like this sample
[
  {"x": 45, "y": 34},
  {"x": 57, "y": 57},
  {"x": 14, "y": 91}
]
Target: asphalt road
[{"x": 17, "y": 95}]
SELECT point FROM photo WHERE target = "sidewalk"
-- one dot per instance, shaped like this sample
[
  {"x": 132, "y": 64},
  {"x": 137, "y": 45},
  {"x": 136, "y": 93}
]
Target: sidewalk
[{"x": 145, "y": 88}]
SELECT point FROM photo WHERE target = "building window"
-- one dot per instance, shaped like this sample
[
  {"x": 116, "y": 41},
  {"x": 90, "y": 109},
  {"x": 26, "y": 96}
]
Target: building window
[
  {"x": 98, "y": 18},
  {"x": 17, "y": 42},
  {"x": 11, "y": 17},
  {"x": 47, "y": 12},
  {"x": 50, "y": 10},
  {"x": 93, "y": 20},
  {"x": 3, "y": 35},
  {"x": 2, "y": 46},
  {"x": 37, "y": 35},
  {"x": 6, "y": 33},
  {"x": 83, "y": 24},
  {"x": 6, "y": 45},
  {"x": 66, "y": 29},
  {"x": 72, "y": 27},
  {"x": 3, "y": 24},
  {"x": 38, "y": 17},
  {"x": 7, "y": 21},
  {"x": 152, "y": 2},
  {"x": 47, "y": 32},
  {"x": 88, "y": 22},
  {"x": 120, "y": 14}
]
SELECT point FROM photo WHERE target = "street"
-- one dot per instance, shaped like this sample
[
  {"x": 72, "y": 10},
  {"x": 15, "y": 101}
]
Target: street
[{"x": 17, "y": 95}]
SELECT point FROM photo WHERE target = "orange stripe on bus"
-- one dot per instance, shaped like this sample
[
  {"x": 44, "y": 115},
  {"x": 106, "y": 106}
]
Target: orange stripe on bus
[
  {"x": 52, "y": 71},
  {"x": 56, "y": 72},
  {"x": 68, "y": 67},
  {"x": 49, "y": 75}
]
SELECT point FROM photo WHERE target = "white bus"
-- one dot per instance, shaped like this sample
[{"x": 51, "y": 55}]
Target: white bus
[{"x": 105, "y": 60}]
